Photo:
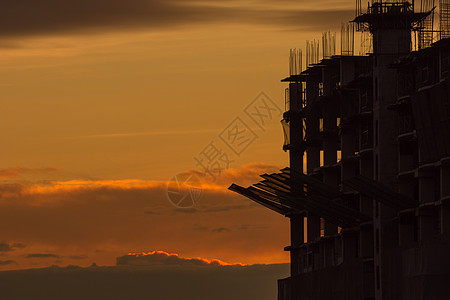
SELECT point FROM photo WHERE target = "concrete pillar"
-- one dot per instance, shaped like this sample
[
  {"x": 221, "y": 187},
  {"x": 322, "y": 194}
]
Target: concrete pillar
[
  {"x": 406, "y": 162},
  {"x": 329, "y": 140},
  {"x": 313, "y": 227},
  {"x": 328, "y": 256},
  {"x": 407, "y": 230},
  {"x": 312, "y": 124},
  {"x": 350, "y": 242},
  {"x": 445, "y": 194},
  {"x": 427, "y": 225},
  {"x": 366, "y": 242},
  {"x": 366, "y": 170},
  {"x": 297, "y": 239},
  {"x": 445, "y": 218},
  {"x": 406, "y": 186},
  {"x": 388, "y": 45},
  {"x": 445, "y": 179},
  {"x": 331, "y": 176},
  {"x": 295, "y": 127},
  {"x": 427, "y": 187}
]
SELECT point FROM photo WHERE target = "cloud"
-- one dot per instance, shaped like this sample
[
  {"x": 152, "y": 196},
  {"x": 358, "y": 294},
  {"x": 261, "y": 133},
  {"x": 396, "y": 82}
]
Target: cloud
[
  {"x": 252, "y": 226},
  {"x": 11, "y": 173},
  {"x": 28, "y": 17},
  {"x": 7, "y": 262},
  {"x": 5, "y": 247},
  {"x": 78, "y": 257},
  {"x": 189, "y": 210},
  {"x": 225, "y": 208},
  {"x": 221, "y": 230},
  {"x": 246, "y": 174},
  {"x": 200, "y": 227},
  {"x": 19, "y": 245},
  {"x": 151, "y": 133},
  {"x": 10, "y": 190},
  {"x": 42, "y": 255},
  {"x": 149, "y": 211},
  {"x": 161, "y": 258},
  {"x": 88, "y": 215},
  {"x": 81, "y": 185}
]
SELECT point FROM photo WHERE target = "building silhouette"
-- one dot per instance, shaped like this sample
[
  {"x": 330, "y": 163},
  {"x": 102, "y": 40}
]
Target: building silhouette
[{"x": 368, "y": 186}]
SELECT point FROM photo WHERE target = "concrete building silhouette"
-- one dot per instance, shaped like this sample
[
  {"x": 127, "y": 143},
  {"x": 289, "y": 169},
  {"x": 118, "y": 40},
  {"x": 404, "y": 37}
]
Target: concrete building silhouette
[{"x": 368, "y": 186}]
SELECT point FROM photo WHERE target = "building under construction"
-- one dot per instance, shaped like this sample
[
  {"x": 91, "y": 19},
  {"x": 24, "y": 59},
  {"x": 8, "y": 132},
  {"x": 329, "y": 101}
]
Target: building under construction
[{"x": 368, "y": 186}]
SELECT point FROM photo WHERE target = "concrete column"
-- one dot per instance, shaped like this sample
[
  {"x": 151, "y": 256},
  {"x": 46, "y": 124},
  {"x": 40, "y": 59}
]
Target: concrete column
[
  {"x": 366, "y": 170},
  {"x": 350, "y": 240},
  {"x": 427, "y": 187},
  {"x": 366, "y": 242},
  {"x": 406, "y": 162},
  {"x": 406, "y": 186},
  {"x": 445, "y": 180},
  {"x": 295, "y": 127},
  {"x": 297, "y": 239},
  {"x": 330, "y": 175},
  {"x": 329, "y": 140},
  {"x": 312, "y": 123},
  {"x": 427, "y": 226},
  {"x": 445, "y": 194},
  {"x": 328, "y": 256},
  {"x": 313, "y": 227},
  {"x": 445, "y": 218},
  {"x": 406, "y": 230}
]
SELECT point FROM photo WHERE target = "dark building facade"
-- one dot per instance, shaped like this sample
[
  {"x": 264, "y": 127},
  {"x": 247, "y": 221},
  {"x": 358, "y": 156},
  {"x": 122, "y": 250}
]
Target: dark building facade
[{"x": 368, "y": 186}]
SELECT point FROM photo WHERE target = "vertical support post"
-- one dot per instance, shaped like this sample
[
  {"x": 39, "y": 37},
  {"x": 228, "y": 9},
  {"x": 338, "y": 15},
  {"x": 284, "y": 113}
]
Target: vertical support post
[{"x": 296, "y": 164}]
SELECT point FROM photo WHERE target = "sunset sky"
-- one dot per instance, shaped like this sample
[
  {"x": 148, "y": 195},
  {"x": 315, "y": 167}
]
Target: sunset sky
[{"x": 103, "y": 102}]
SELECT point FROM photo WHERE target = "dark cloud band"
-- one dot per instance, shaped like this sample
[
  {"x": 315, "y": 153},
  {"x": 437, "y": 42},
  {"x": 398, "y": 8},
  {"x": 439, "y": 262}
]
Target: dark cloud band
[
  {"x": 5, "y": 247},
  {"x": 42, "y": 255},
  {"x": 49, "y": 17}
]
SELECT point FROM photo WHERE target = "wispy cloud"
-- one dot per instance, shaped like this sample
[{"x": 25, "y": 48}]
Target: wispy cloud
[
  {"x": 5, "y": 247},
  {"x": 221, "y": 230},
  {"x": 42, "y": 255},
  {"x": 247, "y": 173},
  {"x": 150, "y": 133},
  {"x": 118, "y": 215},
  {"x": 7, "y": 262},
  {"x": 78, "y": 257},
  {"x": 28, "y": 17},
  {"x": 244, "y": 175},
  {"x": 17, "y": 171},
  {"x": 165, "y": 258},
  {"x": 227, "y": 208}
]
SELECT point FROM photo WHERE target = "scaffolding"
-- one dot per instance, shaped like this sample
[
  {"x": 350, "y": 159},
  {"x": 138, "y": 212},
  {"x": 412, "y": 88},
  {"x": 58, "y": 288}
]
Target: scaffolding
[
  {"x": 295, "y": 61},
  {"x": 425, "y": 32},
  {"x": 347, "y": 39},
  {"x": 328, "y": 44},
  {"x": 312, "y": 52},
  {"x": 444, "y": 18},
  {"x": 365, "y": 46}
]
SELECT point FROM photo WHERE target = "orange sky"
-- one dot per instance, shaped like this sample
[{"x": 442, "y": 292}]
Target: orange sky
[{"x": 103, "y": 103}]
